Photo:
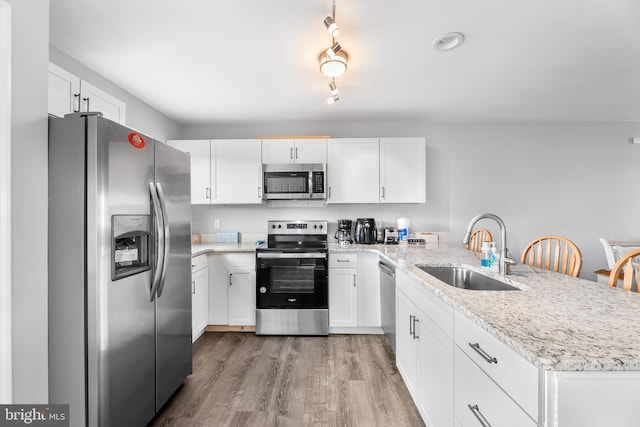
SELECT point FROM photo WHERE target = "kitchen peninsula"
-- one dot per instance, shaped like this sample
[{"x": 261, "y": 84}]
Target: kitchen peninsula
[{"x": 560, "y": 351}]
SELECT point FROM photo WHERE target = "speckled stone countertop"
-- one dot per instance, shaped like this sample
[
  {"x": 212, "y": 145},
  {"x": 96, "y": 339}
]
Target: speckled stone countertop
[
  {"x": 203, "y": 248},
  {"x": 555, "y": 321}
]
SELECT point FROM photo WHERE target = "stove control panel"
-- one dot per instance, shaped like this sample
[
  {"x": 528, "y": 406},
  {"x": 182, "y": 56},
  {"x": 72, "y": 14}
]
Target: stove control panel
[{"x": 297, "y": 227}]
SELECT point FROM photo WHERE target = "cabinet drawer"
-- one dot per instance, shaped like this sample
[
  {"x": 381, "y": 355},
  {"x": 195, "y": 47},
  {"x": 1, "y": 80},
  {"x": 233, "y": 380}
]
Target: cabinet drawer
[
  {"x": 343, "y": 260},
  {"x": 438, "y": 311},
  {"x": 477, "y": 396},
  {"x": 198, "y": 263},
  {"x": 514, "y": 374}
]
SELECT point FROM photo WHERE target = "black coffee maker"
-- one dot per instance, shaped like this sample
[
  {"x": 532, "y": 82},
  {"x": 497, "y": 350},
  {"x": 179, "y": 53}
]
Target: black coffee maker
[
  {"x": 343, "y": 234},
  {"x": 366, "y": 232}
]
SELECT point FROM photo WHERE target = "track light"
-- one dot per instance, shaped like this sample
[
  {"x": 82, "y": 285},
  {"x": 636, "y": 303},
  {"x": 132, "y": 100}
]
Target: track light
[
  {"x": 333, "y": 61},
  {"x": 332, "y": 27},
  {"x": 333, "y": 66},
  {"x": 333, "y": 88},
  {"x": 335, "y": 93},
  {"x": 333, "y": 50},
  {"x": 333, "y": 99}
]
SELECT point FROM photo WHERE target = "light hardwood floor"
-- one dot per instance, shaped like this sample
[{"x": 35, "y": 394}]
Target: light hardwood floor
[{"x": 240, "y": 379}]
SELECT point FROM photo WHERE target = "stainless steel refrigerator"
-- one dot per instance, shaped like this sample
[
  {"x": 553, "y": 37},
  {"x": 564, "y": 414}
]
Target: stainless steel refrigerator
[{"x": 119, "y": 271}]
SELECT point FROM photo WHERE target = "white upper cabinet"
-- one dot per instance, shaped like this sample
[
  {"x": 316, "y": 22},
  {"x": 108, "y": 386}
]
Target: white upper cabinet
[
  {"x": 69, "y": 94},
  {"x": 200, "y": 151},
  {"x": 223, "y": 171},
  {"x": 94, "y": 99},
  {"x": 402, "y": 170},
  {"x": 294, "y": 151},
  {"x": 353, "y": 170},
  {"x": 236, "y": 171},
  {"x": 64, "y": 91}
]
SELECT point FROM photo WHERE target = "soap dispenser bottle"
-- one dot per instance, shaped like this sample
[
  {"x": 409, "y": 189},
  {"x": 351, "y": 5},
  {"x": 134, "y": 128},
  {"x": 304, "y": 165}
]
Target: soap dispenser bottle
[
  {"x": 494, "y": 258},
  {"x": 485, "y": 255}
]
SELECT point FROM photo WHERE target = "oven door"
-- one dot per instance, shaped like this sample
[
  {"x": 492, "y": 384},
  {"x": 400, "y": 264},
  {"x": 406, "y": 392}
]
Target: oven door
[{"x": 292, "y": 280}]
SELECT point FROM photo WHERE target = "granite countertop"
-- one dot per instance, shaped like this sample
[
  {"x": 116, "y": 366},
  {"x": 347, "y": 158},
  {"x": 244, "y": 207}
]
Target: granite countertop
[
  {"x": 556, "y": 322},
  {"x": 204, "y": 248}
]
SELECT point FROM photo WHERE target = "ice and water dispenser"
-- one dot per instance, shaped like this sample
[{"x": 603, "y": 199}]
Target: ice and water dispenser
[{"x": 130, "y": 245}]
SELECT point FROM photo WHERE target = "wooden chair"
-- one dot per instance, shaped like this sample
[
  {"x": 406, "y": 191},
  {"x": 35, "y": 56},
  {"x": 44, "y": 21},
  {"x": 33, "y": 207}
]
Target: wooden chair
[
  {"x": 553, "y": 253},
  {"x": 477, "y": 237},
  {"x": 629, "y": 266}
]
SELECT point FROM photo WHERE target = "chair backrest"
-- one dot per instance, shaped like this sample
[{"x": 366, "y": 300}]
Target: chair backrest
[
  {"x": 629, "y": 266},
  {"x": 615, "y": 248},
  {"x": 477, "y": 237},
  {"x": 553, "y": 253}
]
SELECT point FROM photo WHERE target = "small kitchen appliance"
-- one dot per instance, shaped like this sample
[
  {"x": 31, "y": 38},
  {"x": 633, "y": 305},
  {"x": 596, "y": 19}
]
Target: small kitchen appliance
[
  {"x": 292, "y": 279},
  {"x": 343, "y": 234},
  {"x": 366, "y": 232},
  {"x": 390, "y": 236}
]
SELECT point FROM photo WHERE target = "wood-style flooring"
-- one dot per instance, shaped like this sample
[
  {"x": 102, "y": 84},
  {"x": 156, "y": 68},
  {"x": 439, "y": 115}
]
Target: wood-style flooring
[{"x": 240, "y": 379}]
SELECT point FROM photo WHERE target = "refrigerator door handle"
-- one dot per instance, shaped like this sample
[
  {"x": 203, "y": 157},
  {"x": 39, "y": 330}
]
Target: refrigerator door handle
[
  {"x": 159, "y": 234},
  {"x": 167, "y": 242}
]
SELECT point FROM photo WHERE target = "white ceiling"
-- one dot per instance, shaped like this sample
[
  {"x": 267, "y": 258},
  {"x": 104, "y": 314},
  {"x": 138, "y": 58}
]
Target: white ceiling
[{"x": 212, "y": 61}]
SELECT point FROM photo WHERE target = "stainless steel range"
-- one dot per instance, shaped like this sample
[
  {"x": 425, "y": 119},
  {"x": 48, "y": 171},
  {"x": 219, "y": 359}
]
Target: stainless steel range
[{"x": 292, "y": 279}]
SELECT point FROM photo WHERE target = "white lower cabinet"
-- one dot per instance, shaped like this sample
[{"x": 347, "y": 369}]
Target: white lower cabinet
[
  {"x": 424, "y": 352},
  {"x": 343, "y": 290},
  {"x": 232, "y": 294},
  {"x": 242, "y": 296},
  {"x": 199, "y": 295},
  {"x": 354, "y": 291},
  {"x": 479, "y": 402}
]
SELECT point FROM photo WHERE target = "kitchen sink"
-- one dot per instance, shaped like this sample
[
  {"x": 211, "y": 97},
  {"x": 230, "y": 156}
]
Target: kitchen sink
[{"x": 464, "y": 278}]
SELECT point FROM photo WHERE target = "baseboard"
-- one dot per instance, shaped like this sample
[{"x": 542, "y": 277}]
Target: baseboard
[
  {"x": 363, "y": 331},
  {"x": 229, "y": 328}
]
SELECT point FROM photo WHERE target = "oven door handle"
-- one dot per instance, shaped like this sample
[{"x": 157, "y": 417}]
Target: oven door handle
[{"x": 277, "y": 255}]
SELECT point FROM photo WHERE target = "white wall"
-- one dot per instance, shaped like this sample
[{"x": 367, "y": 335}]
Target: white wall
[
  {"x": 140, "y": 116},
  {"x": 30, "y": 51},
  {"x": 541, "y": 178}
]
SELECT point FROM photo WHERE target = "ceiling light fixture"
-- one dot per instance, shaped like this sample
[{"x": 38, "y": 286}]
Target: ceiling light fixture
[
  {"x": 448, "y": 41},
  {"x": 333, "y": 61},
  {"x": 332, "y": 27},
  {"x": 333, "y": 66}
]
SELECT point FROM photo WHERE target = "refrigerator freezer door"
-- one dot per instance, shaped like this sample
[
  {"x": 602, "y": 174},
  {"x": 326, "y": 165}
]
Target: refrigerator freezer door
[
  {"x": 121, "y": 350},
  {"x": 173, "y": 301}
]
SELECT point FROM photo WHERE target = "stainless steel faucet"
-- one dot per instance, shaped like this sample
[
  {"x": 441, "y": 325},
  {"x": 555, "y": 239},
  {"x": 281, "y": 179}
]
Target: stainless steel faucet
[{"x": 505, "y": 261}]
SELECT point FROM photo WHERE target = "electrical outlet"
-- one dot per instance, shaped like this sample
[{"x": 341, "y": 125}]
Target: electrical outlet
[{"x": 216, "y": 224}]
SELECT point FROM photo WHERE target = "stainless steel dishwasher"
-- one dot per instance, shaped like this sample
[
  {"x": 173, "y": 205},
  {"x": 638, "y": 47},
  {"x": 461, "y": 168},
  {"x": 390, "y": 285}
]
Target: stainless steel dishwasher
[{"x": 388, "y": 302}]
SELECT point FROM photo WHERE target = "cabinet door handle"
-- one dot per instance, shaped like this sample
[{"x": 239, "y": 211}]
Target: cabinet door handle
[
  {"x": 415, "y": 320},
  {"x": 476, "y": 412},
  {"x": 230, "y": 276},
  {"x": 329, "y": 195},
  {"x": 88, "y": 100},
  {"x": 354, "y": 280},
  {"x": 486, "y": 356},
  {"x": 77, "y": 95},
  {"x": 259, "y": 192},
  {"x": 383, "y": 192},
  {"x": 411, "y": 324},
  {"x": 296, "y": 152},
  {"x": 193, "y": 287},
  {"x": 291, "y": 153},
  {"x": 207, "y": 193},
  {"x": 342, "y": 260}
]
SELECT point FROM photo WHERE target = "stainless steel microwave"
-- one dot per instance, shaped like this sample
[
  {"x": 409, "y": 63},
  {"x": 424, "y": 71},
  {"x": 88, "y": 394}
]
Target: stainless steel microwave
[{"x": 306, "y": 181}]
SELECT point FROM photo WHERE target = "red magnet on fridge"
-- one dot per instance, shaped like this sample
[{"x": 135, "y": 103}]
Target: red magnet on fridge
[{"x": 136, "y": 140}]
